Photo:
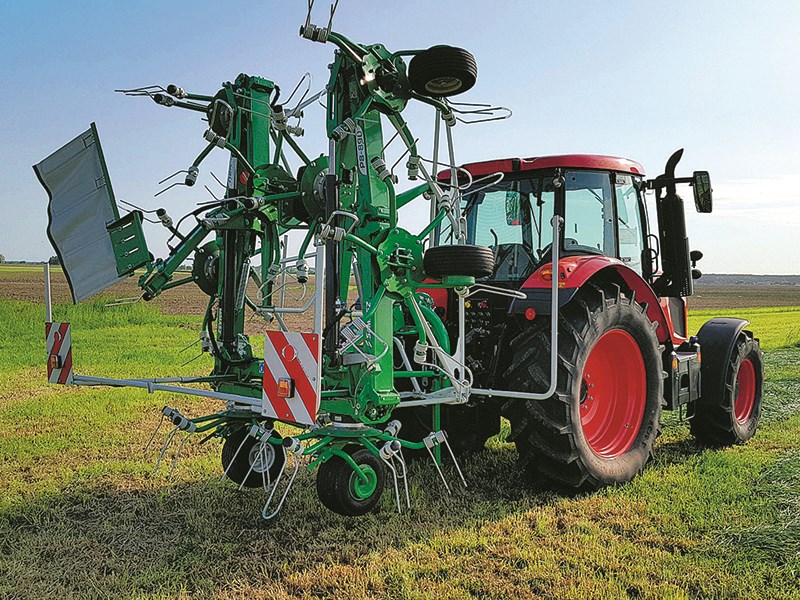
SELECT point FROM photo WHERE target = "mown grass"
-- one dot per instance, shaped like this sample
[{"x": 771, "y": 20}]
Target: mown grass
[{"x": 82, "y": 516}]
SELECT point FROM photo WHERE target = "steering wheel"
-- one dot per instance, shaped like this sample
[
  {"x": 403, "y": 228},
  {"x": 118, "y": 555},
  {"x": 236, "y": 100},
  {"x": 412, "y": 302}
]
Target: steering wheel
[
  {"x": 571, "y": 245},
  {"x": 512, "y": 255}
]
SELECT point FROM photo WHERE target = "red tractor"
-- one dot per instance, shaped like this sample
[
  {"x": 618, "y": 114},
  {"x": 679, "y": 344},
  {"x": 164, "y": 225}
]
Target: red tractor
[{"x": 624, "y": 349}]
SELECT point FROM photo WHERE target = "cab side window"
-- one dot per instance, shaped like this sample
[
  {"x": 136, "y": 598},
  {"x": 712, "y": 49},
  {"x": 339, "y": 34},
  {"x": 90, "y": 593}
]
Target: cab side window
[{"x": 629, "y": 223}]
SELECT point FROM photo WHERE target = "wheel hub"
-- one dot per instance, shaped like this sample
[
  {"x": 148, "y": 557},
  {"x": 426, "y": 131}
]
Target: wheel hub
[
  {"x": 613, "y": 394},
  {"x": 745, "y": 398},
  {"x": 361, "y": 489},
  {"x": 443, "y": 85},
  {"x": 261, "y": 457}
]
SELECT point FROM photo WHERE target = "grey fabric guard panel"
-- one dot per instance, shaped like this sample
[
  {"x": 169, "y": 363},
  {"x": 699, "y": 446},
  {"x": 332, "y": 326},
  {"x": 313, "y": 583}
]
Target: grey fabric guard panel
[{"x": 81, "y": 204}]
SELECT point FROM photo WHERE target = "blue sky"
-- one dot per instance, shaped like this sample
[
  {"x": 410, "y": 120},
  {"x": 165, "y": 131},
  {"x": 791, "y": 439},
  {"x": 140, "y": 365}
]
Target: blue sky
[{"x": 634, "y": 79}]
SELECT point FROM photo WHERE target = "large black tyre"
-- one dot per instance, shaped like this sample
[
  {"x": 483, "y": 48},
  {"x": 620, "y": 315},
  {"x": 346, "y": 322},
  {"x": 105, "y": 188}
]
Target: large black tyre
[
  {"x": 729, "y": 407},
  {"x": 338, "y": 485},
  {"x": 237, "y": 465},
  {"x": 466, "y": 260},
  {"x": 600, "y": 425},
  {"x": 442, "y": 71}
]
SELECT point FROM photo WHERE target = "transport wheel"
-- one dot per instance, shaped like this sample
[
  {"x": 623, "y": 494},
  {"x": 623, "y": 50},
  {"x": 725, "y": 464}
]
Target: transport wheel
[
  {"x": 731, "y": 391},
  {"x": 271, "y": 460},
  {"x": 341, "y": 490},
  {"x": 442, "y": 71},
  {"x": 458, "y": 260},
  {"x": 599, "y": 426}
]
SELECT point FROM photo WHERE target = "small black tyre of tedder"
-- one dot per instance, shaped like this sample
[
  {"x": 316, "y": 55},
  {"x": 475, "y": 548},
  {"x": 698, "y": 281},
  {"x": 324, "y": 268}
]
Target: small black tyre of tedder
[
  {"x": 442, "y": 71},
  {"x": 254, "y": 464},
  {"x": 466, "y": 260},
  {"x": 341, "y": 490}
]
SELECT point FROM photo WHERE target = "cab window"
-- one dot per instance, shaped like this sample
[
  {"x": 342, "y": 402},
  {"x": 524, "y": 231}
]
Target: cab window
[
  {"x": 589, "y": 213},
  {"x": 629, "y": 222}
]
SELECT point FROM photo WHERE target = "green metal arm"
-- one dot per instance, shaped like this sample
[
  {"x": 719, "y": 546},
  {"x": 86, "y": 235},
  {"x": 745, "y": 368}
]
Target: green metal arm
[{"x": 160, "y": 273}]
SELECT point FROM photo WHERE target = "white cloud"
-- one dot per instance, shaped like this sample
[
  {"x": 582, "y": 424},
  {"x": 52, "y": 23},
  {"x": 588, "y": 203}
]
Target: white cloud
[{"x": 770, "y": 200}]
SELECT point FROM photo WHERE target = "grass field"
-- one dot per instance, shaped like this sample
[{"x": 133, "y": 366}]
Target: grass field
[{"x": 82, "y": 516}]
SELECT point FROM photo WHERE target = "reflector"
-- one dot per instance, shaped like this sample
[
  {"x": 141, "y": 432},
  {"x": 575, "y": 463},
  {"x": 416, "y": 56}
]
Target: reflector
[{"x": 81, "y": 204}]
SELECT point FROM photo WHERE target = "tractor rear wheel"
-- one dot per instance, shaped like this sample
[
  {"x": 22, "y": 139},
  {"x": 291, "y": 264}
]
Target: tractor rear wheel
[
  {"x": 730, "y": 402},
  {"x": 599, "y": 426},
  {"x": 340, "y": 488}
]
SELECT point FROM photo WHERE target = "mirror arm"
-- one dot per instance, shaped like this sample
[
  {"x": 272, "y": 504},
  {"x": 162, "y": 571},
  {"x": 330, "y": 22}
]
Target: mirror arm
[{"x": 653, "y": 184}]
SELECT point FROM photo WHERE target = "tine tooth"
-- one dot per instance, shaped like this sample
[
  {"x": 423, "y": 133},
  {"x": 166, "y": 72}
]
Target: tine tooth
[
  {"x": 235, "y": 454},
  {"x": 177, "y": 454},
  {"x": 455, "y": 462},
  {"x": 166, "y": 445},
  {"x": 152, "y": 437}
]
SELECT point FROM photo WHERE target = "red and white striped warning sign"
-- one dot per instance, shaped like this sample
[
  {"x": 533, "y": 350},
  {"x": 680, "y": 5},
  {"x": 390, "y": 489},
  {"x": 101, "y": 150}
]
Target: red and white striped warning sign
[
  {"x": 292, "y": 377},
  {"x": 59, "y": 353}
]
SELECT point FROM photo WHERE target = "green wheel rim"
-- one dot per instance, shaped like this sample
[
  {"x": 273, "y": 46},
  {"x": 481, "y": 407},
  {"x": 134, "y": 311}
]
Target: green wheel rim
[{"x": 360, "y": 489}]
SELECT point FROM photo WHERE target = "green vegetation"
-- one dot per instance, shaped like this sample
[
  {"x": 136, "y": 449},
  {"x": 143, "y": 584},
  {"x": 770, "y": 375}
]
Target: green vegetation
[
  {"x": 776, "y": 327},
  {"x": 82, "y": 516}
]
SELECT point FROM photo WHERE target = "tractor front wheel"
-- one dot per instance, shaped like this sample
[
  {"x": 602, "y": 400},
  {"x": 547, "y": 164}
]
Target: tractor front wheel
[
  {"x": 343, "y": 491},
  {"x": 599, "y": 426},
  {"x": 729, "y": 407}
]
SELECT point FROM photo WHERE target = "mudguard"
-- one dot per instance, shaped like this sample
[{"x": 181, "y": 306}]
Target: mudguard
[
  {"x": 717, "y": 339},
  {"x": 573, "y": 273}
]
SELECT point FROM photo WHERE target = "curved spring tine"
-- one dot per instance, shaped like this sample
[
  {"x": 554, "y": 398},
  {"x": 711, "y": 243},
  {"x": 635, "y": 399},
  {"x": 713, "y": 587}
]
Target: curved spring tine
[
  {"x": 166, "y": 445},
  {"x": 439, "y": 470},
  {"x": 147, "y": 90},
  {"x": 139, "y": 208},
  {"x": 394, "y": 480},
  {"x": 152, "y": 437},
  {"x": 273, "y": 514},
  {"x": 404, "y": 476},
  {"x": 175, "y": 174},
  {"x": 250, "y": 470},
  {"x": 494, "y": 178},
  {"x": 455, "y": 462},
  {"x": 265, "y": 476},
  {"x": 235, "y": 454},
  {"x": 485, "y": 112},
  {"x": 306, "y": 76},
  {"x": 177, "y": 454}
]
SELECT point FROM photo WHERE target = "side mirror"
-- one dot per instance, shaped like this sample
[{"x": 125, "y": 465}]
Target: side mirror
[
  {"x": 701, "y": 182},
  {"x": 513, "y": 208}
]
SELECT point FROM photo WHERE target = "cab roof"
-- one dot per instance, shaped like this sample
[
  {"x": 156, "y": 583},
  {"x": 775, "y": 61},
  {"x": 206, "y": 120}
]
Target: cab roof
[{"x": 570, "y": 161}]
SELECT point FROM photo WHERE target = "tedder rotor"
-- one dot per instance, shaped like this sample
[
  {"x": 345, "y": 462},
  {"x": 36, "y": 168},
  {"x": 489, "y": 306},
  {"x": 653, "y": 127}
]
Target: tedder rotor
[{"x": 535, "y": 291}]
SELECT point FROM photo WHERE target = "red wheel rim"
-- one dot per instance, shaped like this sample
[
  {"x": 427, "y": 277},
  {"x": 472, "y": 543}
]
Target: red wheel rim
[
  {"x": 745, "y": 391},
  {"x": 613, "y": 394}
]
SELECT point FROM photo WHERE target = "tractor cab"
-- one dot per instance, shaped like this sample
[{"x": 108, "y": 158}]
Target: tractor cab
[
  {"x": 604, "y": 238},
  {"x": 600, "y": 199}
]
